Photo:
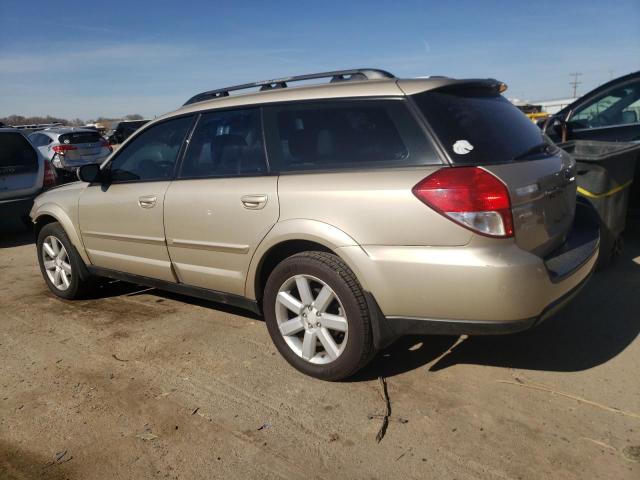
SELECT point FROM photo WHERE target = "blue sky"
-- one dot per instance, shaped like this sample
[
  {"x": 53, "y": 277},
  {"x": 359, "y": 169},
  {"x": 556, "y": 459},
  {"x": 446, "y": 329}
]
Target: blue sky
[{"x": 87, "y": 59}]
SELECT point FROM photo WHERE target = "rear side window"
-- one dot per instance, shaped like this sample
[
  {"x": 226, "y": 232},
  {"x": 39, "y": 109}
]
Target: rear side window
[
  {"x": 16, "y": 154},
  {"x": 479, "y": 126},
  {"x": 345, "y": 135},
  {"x": 80, "y": 137},
  {"x": 226, "y": 144}
]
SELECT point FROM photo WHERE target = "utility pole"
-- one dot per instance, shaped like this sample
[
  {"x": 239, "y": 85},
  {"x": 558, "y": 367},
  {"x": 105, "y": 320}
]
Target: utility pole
[{"x": 574, "y": 84}]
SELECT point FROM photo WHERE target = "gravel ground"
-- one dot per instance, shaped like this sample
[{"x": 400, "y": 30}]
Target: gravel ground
[{"x": 137, "y": 383}]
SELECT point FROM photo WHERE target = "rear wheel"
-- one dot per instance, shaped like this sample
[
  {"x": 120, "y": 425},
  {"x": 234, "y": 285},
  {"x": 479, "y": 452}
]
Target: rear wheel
[
  {"x": 62, "y": 267},
  {"x": 317, "y": 316}
]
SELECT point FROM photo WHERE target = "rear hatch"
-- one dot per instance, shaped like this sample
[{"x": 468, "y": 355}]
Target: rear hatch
[
  {"x": 20, "y": 167},
  {"x": 477, "y": 126},
  {"x": 86, "y": 147}
]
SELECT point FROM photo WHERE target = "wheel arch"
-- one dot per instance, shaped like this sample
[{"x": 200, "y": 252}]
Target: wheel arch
[
  {"x": 49, "y": 213},
  {"x": 288, "y": 238}
]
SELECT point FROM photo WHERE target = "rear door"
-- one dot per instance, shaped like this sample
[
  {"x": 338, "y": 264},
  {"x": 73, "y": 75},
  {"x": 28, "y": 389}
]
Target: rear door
[
  {"x": 122, "y": 220},
  {"x": 477, "y": 126},
  {"x": 21, "y": 168},
  {"x": 222, "y": 203}
]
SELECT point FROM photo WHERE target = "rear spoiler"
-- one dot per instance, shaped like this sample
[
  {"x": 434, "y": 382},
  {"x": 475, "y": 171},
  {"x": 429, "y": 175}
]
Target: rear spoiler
[
  {"x": 419, "y": 85},
  {"x": 473, "y": 83}
]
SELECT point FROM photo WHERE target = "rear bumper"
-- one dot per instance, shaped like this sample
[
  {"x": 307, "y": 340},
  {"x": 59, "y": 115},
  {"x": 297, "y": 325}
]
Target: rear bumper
[
  {"x": 16, "y": 207},
  {"x": 387, "y": 329},
  {"x": 485, "y": 287},
  {"x": 72, "y": 166}
]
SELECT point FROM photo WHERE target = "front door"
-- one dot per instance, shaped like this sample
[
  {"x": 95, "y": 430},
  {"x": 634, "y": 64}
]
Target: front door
[
  {"x": 121, "y": 221},
  {"x": 222, "y": 203}
]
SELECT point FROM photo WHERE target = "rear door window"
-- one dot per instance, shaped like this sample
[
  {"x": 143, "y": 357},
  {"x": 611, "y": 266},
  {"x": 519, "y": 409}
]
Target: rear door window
[
  {"x": 76, "y": 138},
  {"x": 479, "y": 126},
  {"x": 16, "y": 154},
  {"x": 226, "y": 143},
  {"x": 337, "y": 135}
]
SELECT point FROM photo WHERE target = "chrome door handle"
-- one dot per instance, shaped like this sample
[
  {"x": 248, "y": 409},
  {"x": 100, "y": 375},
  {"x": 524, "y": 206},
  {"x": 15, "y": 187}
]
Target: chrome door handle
[
  {"x": 254, "y": 202},
  {"x": 148, "y": 201}
]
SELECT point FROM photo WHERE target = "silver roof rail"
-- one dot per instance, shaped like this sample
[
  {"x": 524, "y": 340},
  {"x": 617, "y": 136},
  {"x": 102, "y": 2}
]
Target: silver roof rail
[{"x": 336, "y": 76}]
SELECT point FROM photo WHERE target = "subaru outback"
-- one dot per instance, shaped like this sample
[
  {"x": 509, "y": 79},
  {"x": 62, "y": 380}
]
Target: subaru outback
[{"x": 348, "y": 213}]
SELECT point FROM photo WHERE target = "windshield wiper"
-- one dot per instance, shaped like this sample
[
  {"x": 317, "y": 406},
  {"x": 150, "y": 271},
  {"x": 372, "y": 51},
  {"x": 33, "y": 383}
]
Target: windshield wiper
[{"x": 540, "y": 148}]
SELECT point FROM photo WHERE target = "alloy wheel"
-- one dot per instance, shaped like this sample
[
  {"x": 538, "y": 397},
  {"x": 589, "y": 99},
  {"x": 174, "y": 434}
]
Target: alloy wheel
[
  {"x": 311, "y": 319},
  {"x": 56, "y": 263}
]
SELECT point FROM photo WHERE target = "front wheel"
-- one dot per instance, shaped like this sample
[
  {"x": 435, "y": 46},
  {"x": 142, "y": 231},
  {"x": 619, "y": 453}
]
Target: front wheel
[
  {"x": 62, "y": 267},
  {"x": 317, "y": 316}
]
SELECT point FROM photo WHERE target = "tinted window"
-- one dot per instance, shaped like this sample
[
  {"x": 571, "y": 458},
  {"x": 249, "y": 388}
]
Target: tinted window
[
  {"x": 226, "y": 143},
  {"x": 151, "y": 155},
  {"x": 80, "y": 137},
  {"x": 16, "y": 154},
  {"x": 346, "y": 134},
  {"x": 36, "y": 139},
  {"x": 619, "y": 106},
  {"x": 130, "y": 127},
  {"x": 483, "y": 126}
]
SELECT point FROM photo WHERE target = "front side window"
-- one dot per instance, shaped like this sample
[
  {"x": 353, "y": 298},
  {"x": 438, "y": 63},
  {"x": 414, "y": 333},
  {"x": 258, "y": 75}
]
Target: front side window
[
  {"x": 346, "y": 135},
  {"x": 151, "y": 155},
  {"x": 226, "y": 143},
  {"x": 618, "y": 106}
]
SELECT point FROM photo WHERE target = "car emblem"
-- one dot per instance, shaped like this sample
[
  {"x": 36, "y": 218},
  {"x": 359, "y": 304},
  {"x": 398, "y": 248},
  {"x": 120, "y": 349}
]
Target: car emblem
[{"x": 462, "y": 147}]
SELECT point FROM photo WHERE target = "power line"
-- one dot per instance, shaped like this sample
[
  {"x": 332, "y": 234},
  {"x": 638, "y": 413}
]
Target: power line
[{"x": 574, "y": 84}]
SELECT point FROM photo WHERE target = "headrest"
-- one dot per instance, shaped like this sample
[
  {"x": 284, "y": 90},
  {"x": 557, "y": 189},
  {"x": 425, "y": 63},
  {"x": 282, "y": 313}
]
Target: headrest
[
  {"x": 228, "y": 140},
  {"x": 302, "y": 145}
]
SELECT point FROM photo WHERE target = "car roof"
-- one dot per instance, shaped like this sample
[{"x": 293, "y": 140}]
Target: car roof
[{"x": 388, "y": 87}]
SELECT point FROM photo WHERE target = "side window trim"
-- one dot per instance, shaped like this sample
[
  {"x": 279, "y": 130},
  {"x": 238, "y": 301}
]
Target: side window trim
[{"x": 132, "y": 139}]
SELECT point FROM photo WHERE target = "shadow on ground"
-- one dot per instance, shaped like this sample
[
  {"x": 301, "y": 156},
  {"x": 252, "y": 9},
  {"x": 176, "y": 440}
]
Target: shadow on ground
[
  {"x": 116, "y": 288},
  {"x": 598, "y": 325},
  {"x": 15, "y": 234}
]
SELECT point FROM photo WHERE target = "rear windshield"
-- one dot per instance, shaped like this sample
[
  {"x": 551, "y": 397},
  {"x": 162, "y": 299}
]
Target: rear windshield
[
  {"x": 479, "y": 126},
  {"x": 80, "y": 137},
  {"x": 16, "y": 154}
]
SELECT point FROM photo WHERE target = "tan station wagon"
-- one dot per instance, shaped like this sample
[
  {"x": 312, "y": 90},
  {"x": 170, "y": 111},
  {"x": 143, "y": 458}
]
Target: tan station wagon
[{"x": 349, "y": 213}]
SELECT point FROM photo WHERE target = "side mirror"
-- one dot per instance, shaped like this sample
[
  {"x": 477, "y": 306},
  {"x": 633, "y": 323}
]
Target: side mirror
[{"x": 90, "y": 173}]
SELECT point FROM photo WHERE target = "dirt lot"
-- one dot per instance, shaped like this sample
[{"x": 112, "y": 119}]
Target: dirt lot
[{"x": 137, "y": 383}]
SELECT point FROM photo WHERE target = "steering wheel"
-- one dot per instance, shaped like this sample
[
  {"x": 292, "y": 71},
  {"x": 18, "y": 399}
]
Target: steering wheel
[{"x": 555, "y": 120}]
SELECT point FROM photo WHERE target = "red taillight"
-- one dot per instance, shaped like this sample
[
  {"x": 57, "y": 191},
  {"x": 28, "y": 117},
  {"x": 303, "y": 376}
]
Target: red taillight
[
  {"x": 49, "y": 175},
  {"x": 61, "y": 149},
  {"x": 470, "y": 196},
  {"x": 105, "y": 143}
]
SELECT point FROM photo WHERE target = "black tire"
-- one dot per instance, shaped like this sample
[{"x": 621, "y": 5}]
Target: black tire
[
  {"x": 81, "y": 282},
  {"x": 329, "y": 268}
]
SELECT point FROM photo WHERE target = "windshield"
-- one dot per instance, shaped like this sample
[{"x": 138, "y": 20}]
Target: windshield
[{"x": 479, "y": 126}]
